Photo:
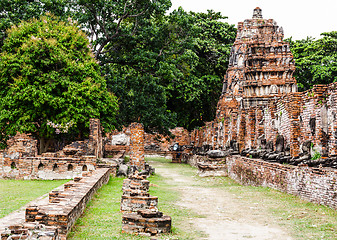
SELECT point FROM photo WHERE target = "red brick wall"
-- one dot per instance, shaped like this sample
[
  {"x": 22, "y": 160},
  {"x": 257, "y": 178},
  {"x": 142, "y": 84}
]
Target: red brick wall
[{"x": 312, "y": 184}]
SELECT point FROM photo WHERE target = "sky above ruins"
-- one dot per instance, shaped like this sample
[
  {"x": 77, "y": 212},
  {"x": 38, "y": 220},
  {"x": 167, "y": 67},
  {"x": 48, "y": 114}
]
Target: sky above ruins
[{"x": 299, "y": 18}]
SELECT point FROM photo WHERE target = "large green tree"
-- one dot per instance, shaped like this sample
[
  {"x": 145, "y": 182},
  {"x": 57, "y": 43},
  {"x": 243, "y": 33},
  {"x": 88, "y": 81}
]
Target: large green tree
[
  {"x": 173, "y": 68},
  {"x": 316, "y": 60},
  {"x": 49, "y": 79}
]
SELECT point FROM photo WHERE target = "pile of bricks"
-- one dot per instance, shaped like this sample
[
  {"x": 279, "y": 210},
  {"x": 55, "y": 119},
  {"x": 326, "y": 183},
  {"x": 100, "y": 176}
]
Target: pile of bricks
[
  {"x": 141, "y": 215},
  {"x": 31, "y": 231}
]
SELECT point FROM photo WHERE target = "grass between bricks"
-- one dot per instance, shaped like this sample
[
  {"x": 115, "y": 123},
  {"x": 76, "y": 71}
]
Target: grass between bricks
[
  {"x": 102, "y": 219},
  {"x": 16, "y": 193}
]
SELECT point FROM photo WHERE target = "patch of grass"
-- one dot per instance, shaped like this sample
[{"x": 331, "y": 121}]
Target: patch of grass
[
  {"x": 102, "y": 219},
  {"x": 16, "y": 193}
]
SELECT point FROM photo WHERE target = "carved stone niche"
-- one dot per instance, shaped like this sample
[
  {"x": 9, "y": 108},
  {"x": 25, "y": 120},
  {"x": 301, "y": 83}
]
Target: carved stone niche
[
  {"x": 306, "y": 146},
  {"x": 279, "y": 143},
  {"x": 312, "y": 125}
]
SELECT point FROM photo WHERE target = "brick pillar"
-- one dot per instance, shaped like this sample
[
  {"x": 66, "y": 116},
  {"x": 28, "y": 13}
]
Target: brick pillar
[
  {"x": 242, "y": 131},
  {"x": 95, "y": 138},
  {"x": 295, "y": 124},
  {"x": 137, "y": 146},
  {"x": 252, "y": 125}
]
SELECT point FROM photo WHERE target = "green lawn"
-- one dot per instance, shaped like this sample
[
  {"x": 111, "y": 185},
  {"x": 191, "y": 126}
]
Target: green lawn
[{"x": 16, "y": 193}]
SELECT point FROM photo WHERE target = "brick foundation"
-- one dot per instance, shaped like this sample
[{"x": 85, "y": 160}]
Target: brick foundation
[
  {"x": 66, "y": 204},
  {"x": 20, "y": 160}
]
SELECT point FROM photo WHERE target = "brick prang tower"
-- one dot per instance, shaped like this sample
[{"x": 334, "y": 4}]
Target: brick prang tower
[{"x": 261, "y": 63}]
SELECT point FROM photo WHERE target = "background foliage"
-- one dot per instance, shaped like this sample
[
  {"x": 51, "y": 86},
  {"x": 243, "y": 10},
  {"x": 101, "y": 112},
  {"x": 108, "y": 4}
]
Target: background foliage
[
  {"x": 315, "y": 60},
  {"x": 49, "y": 74},
  {"x": 166, "y": 69}
]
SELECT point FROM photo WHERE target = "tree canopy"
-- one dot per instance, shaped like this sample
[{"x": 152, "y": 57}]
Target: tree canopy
[
  {"x": 50, "y": 79},
  {"x": 171, "y": 72},
  {"x": 165, "y": 69},
  {"x": 315, "y": 60}
]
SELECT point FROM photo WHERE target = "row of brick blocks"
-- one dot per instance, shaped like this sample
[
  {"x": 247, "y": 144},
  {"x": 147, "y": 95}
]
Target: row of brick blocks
[
  {"x": 141, "y": 215},
  {"x": 54, "y": 219}
]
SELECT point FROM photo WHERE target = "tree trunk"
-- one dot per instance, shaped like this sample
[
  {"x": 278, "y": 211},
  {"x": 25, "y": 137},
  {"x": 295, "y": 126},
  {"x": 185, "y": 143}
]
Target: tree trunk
[{"x": 44, "y": 145}]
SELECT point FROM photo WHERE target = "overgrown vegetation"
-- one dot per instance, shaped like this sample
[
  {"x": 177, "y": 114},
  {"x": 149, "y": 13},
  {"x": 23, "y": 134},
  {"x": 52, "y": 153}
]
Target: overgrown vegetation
[{"x": 16, "y": 193}]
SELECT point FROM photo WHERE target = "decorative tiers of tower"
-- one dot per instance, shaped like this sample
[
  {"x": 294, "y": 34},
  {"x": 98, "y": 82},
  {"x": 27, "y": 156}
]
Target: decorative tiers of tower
[
  {"x": 141, "y": 215},
  {"x": 261, "y": 63}
]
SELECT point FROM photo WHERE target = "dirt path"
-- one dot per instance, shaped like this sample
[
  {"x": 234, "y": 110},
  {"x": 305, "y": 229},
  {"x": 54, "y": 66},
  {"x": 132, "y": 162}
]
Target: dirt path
[{"x": 226, "y": 216}]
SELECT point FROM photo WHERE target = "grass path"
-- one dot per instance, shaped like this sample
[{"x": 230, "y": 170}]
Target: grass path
[
  {"x": 200, "y": 207},
  {"x": 16, "y": 193}
]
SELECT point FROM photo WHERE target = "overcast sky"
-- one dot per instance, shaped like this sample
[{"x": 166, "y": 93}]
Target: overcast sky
[{"x": 299, "y": 18}]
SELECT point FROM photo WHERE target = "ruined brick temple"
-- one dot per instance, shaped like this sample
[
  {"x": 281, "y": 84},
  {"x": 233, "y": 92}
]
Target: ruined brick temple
[
  {"x": 260, "y": 107},
  {"x": 265, "y": 132}
]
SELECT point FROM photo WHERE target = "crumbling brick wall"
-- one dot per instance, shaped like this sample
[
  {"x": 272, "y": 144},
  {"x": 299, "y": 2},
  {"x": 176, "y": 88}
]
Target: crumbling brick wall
[
  {"x": 20, "y": 160},
  {"x": 312, "y": 184}
]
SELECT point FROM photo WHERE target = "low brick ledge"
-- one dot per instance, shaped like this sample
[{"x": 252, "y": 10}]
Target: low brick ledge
[
  {"x": 317, "y": 185},
  {"x": 66, "y": 206}
]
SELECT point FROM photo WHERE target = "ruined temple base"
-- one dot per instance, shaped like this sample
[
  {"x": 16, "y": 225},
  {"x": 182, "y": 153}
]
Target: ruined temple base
[
  {"x": 210, "y": 167},
  {"x": 31, "y": 231},
  {"x": 212, "y": 170},
  {"x": 146, "y": 223}
]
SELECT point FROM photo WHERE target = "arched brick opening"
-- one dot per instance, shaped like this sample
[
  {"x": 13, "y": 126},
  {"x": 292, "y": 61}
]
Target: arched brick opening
[
  {"x": 55, "y": 167},
  {"x": 40, "y": 167},
  {"x": 13, "y": 165},
  {"x": 85, "y": 168},
  {"x": 70, "y": 167}
]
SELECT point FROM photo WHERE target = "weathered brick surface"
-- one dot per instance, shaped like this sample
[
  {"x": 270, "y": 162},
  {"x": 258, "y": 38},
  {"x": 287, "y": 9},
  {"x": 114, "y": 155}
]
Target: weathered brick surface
[
  {"x": 137, "y": 157},
  {"x": 312, "y": 184},
  {"x": 31, "y": 231},
  {"x": 21, "y": 160},
  {"x": 66, "y": 206},
  {"x": 137, "y": 224},
  {"x": 95, "y": 144}
]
